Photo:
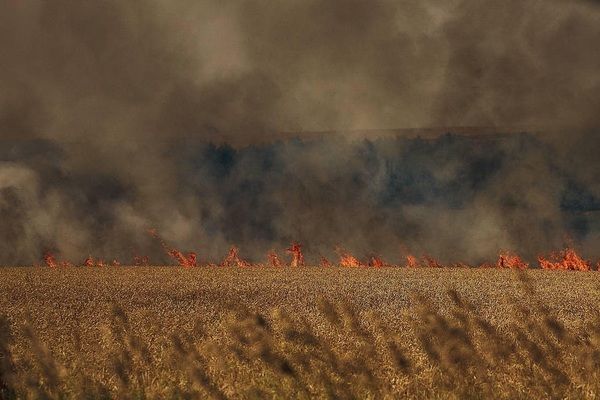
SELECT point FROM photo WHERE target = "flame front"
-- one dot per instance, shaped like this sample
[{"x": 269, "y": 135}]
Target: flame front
[
  {"x": 325, "y": 263},
  {"x": 349, "y": 261},
  {"x": 377, "y": 262},
  {"x": 412, "y": 261},
  {"x": 184, "y": 260},
  {"x": 511, "y": 261},
  {"x": 567, "y": 260},
  {"x": 274, "y": 260},
  {"x": 297, "y": 256},
  {"x": 233, "y": 259},
  {"x": 52, "y": 262}
]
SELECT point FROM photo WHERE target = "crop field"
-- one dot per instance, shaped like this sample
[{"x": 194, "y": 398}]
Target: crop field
[{"x": 170, "y": 332}]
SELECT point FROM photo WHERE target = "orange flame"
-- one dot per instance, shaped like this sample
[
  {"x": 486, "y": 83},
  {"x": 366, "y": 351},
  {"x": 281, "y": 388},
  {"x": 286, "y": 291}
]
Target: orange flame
[
  {"x": 325, "y": 263},
  {"x": 274, "y": 259},
  {"x": 186, "y": 261},
  {"x": 92, "y": 262},
  {"x": 377, "y": 262},
  {"x": 233, "y": 259},
  {"x": 183, "y": 260},
  {"x": 349, "y": 261},
  {"x": 431, "y": 262},
  {"x": 412, "y": 261},
  {"x": 297, "y": 257},
  {"x": 510, "y": 260},
  {"x": 51, "y": 261},
  {"x": 567, "y": 259}
]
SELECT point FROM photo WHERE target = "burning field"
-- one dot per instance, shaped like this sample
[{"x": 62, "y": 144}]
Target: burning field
[
  {"x": 567, "y": 260},
  {"x": 339, "y": 199},
  {"x": 305, "y": 332}
]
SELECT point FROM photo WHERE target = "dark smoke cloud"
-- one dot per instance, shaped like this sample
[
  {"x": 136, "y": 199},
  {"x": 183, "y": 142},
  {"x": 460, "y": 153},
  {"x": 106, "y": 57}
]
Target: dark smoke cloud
[
  {"x": 100, "y": 103},
  {"x": 522, "y": 63}
]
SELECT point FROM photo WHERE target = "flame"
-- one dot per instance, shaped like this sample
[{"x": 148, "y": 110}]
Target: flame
[
  {"x": 510, "y": 260},
  {"x": 274, "y": 259},
  {"x": 377, "y": 262},
  {"x": 349, "y": 261},
  {"x": 567, "y": 259},
  {"x": 412, "y": 261},
  {"x": 431, "y": 262},
  {"x": 233, "y": 259},
  {"x": 183, "y": 260},
  {"x": 186, "y": 261},
  {"x": 297, "y": 257},
  {"x": 325, "y": 263},
  {"x": 89, "y": 262},
  {"x": 51, "y": 261}
]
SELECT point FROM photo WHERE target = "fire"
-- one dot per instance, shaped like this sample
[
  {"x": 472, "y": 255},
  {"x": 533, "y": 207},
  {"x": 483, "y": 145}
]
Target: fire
[
  {"x": 377, "y": 262},
  {"x": 567, "y": 259},
  {"x": 274, "y": 260},
  {"x": 186, "y": 261},
  {"x": 431, "y": 262},
  {"x": 91, "y": 262},
  {"x": 349, "y": 261},
  {"x": 510, "y": 260},
  {"x": 426, "y": 261},
  {"x": 412, "y": 261},
  {"x": 233, "y": 259},
  {"x": 325, "y": 263},
  {"x": 297, "y": 257},
  {"x": 183, "y": 260},
  {"x": 51, "y": 261}
]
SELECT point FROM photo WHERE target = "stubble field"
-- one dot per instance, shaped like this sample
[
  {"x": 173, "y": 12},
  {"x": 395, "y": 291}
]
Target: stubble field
[{"x": 169, "y": 332}]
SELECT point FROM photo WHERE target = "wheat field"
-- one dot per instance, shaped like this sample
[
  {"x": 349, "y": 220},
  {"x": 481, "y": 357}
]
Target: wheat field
[{"x": 170, "y": 332}]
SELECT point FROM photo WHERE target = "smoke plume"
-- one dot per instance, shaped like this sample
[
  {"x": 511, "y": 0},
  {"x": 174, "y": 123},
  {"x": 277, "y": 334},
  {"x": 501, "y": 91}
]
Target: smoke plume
[{"x": 116, "y": 117}]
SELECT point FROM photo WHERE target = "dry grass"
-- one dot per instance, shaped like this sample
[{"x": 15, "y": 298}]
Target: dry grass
[{"x": 299, "y": 333}]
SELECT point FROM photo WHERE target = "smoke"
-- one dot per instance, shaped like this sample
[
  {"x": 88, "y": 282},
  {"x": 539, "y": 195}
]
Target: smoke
[
  {"x": 522, "y": 63},
  {"x": 102, "y": 105}
]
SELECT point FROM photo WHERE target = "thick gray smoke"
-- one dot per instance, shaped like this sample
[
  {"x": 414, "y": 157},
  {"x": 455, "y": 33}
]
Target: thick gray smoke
[{"x": 102, "y": 105}]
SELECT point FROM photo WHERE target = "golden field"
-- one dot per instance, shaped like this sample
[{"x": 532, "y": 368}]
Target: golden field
[{"x": 170, "y": 332}]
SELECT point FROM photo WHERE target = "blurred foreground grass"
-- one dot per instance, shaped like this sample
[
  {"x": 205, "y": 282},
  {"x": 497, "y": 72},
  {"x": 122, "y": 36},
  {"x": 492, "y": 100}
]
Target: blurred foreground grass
[{"x": 163, "y": 332}]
